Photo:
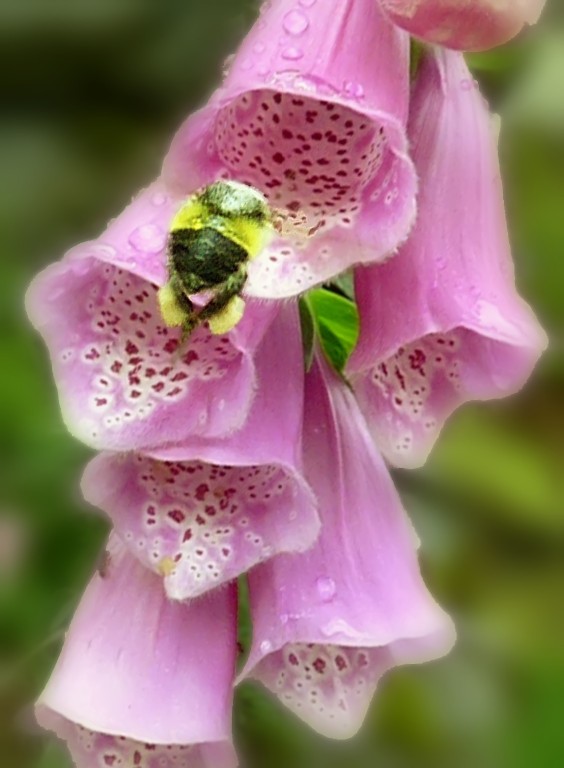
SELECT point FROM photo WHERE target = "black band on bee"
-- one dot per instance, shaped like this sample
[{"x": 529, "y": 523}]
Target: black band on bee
[{"x": 204, "y": 258}]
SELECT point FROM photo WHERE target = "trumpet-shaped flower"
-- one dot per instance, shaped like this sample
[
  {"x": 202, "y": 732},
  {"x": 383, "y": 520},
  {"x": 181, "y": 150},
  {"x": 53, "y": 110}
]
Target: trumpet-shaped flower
[
  {"x": 329, "y": 623},
  {"x": 204, "y": 512},
  {"x": 316, "y": 126},
  {"x": 143, "y": 682},
  {"x": 464, "y": 24},
  {"x": 312, "y": 113},
  {"x": 441, "y": 322},
  {"x": 124, "y": 383}
]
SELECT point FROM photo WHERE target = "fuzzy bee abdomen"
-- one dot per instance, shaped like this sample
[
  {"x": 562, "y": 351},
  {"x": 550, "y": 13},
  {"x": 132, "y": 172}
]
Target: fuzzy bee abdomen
[{"x": 204, "y": 258}]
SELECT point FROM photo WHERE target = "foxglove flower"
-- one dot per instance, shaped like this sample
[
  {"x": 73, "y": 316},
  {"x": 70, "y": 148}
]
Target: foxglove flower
[
  {"x": 328, "y": 624},
  {"x": 205, "y": 511},
  {"x": 124, "y": 384},
  {"x": 464, "y": 24},
  {"x": 316, "y": 126},
  {"x": 312, "y": 113},
  {"x": 441, "y": 322},
  {"x": 143, "y": 682}
]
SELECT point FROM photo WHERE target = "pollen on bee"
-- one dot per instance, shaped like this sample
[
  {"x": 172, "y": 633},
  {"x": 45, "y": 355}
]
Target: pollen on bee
[
  {"x": 171, "y": 311},
  {"x": 228, "y": 318}
]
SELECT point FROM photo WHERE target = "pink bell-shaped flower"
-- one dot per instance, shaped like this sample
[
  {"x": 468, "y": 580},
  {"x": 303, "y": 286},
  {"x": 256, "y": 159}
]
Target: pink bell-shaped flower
[
  {"x": 329, "y": 623},
  {"x": 143, "y": 682},
  {"x": 203, "y": 512},
  {"x": 469, "y": 25},
  {"x": 441, "y": 322},
  {"x": 312, "y": 113},
  {"x": 123, "y": 382}
]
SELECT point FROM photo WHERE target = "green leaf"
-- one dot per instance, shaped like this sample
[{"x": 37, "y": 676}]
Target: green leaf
[
  {"x": 336, "y": 322},
  {"x": 417, "y": 51},
  {"x": 308, "y": 332},
  {"x": 343, "y": 284}
]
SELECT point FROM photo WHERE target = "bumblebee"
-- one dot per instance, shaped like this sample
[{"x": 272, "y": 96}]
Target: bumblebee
[{"x": 212, "y": 239}]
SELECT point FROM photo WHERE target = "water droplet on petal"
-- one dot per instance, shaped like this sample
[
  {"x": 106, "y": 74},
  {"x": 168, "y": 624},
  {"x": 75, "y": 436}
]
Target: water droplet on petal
[
  {"x": 356, "y": 90},
  {"x": 284, "y": 618},
  {"x": 326, "y": 588},
  {"x": 227, "y": 64},
  {"x": 265, "y": 646},
  {"x": 295, "y": 23},
  {"x": 292, "y": 54},
  {"x": 103, "y": 251},
  {"x": 148, "y": 238},
  {"x": 159, "y": 198},
  {"x": 259, "y": 48}
]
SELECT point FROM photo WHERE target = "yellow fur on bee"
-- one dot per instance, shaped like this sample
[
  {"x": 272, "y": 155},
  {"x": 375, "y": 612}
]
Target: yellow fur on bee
[
  {"x": 193, "y": 215},
  {"x": 228, "y": 319},
  {"x": 247, "y": 233},
  {"x": 171, "y": 311}
]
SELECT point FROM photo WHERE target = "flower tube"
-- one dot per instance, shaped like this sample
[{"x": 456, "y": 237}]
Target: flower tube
[
  {"x": 441, "y": 323},
  {"x": 124, "y": 381},
  {"x": 143, "y": 682},
  {"x": 312, "y": 113},
  {"x": 203, "y": 512},
  {"x": 329, "y": 623}
]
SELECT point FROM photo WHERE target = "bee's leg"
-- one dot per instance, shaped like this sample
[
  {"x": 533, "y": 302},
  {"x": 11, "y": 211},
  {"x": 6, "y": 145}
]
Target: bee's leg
[
  {"x": 176, "y": 308},
  {"x": 226, "y": 308}
]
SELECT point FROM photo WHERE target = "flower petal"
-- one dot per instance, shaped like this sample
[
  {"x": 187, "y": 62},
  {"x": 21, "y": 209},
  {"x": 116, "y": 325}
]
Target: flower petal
[
  {"x": 462, "y": 332},
  {"x": 204, "y": 512},
  {"x": 124, "y": 384},
  {"x": 97, "y": 750},
  {"x": 319, "y": 128},
  {"x": 328, "y": 624},
  {"x": 141, "y": 678},
  {"x": 469, "y": 25}
]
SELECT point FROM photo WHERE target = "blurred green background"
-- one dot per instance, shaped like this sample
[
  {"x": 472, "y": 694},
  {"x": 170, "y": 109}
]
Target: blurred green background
[{"x": 92, "y": 91}]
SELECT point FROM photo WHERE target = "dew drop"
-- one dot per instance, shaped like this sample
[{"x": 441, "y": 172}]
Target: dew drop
[
  {"x": 355, "y": 90},
  {"x": 103, "y": 251},
  {"x": 292, "y": 54},
  {"x": 326, "y": 588},
  {"x": 259, "y": 48},
  {"x": 295, "y": 23},
  {"x": 265, "y": 646},
  {"x": 227, "y": 64},
  {"x": 158, "y": 199},
  {"x": 148, "y": 238}
]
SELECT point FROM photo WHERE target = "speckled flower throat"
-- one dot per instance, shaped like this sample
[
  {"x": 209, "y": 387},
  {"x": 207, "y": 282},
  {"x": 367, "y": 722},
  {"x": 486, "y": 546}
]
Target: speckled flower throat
[{"x": 312, "y": 159}]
